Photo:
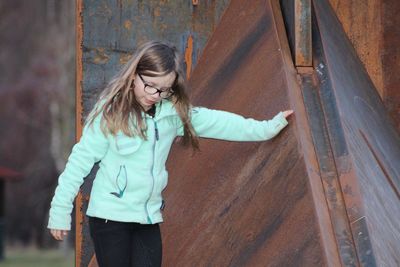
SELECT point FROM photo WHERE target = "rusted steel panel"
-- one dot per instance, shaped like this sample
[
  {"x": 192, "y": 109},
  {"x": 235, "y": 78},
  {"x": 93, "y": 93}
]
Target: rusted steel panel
[
  {"x": 328, "y": 172},
  {"x": 287, "y": 9},
  {"x": 304, "y": 137},
  {"x": 303, "y": 48},
  {"x": 107, "y": 33},
  {"x": 390, "y": 58},
  {"x": 372, "y": 27},
  {"x": 365, "y": 144},
  {"x": 239, "y": 204},
  {"x": 362, "y": 22}
]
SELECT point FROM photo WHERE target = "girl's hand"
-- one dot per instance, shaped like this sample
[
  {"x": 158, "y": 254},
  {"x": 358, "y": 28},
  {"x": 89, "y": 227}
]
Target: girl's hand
[
  {"x": 58, "y": 234},
  {"x": 287, "y": 113}
]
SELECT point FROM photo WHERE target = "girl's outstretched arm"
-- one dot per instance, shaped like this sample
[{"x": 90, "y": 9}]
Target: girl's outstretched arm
[{"x": 229, "y": 126}]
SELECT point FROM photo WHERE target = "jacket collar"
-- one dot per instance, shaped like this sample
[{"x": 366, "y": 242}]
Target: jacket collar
[{"x": 164, "y": 108}]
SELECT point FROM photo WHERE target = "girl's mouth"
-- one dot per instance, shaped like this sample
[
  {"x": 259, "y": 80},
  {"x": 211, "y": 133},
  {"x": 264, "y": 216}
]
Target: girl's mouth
[{"x": 149, "y": 102}]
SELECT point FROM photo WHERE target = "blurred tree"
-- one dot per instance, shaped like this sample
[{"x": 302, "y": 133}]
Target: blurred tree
[{"x": 37, "y": 108}]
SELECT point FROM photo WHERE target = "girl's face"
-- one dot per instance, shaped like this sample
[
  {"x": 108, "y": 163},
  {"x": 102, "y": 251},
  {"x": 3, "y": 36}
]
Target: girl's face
[{"x": 144, "y": 84}]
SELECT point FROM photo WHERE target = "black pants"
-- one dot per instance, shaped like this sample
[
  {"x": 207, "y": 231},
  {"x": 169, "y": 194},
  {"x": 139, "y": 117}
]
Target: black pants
[{"x": 126, "y": 244}]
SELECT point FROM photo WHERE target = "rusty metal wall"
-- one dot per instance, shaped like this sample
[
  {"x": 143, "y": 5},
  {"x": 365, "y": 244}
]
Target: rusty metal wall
[
  {"x": 363, "y": 141},
  {"x": 248, "y": 204},
  {"x": 227, "y": 206},
  {"x": 313, "y": 196},
  {"x": 107, "y": 33},
  {"x": 373, "y": 28}
]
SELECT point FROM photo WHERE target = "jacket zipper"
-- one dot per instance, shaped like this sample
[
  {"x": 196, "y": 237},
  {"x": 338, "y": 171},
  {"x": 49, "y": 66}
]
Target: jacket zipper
[{"x": 152, "y": 169}]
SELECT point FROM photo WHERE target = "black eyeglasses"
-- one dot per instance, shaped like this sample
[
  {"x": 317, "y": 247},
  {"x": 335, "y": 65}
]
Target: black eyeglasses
[{"x": 151, "y": 90}]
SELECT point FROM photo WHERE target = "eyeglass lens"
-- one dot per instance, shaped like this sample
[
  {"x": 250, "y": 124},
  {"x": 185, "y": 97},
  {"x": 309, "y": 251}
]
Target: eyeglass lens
[{"x": 152, "y": 90}]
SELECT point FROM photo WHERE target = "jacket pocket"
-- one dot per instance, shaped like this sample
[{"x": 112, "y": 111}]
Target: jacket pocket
[
  {"x": 125, "y": 145},
  {"x": 121, "y": 182}
]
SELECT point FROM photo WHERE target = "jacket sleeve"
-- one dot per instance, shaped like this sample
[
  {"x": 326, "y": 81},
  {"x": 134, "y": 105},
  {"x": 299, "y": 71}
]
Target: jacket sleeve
[
  {"x": 233, "y": 127},
  {"x": 91, "y": 148}
]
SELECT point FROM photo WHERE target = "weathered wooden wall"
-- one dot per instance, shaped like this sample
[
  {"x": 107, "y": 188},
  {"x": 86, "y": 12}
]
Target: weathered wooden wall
[{"x": 373, "y": 28}]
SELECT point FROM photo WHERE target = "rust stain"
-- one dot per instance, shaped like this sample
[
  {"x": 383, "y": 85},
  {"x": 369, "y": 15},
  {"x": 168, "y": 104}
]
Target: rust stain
[
  {"x": 303, "y": 33},
  {"x": 195, "y": 2},
  {"x": 128, "y": 24},
  {"x": 101, "y": 56},
  {"x": 156, "y": 12},
  {"x": 351, "y": 190},
  {"x": 363, "y": 24},
  {"x": 124, "y": 58},
  {"x": 188, "y": 56},
  {"x": 305, "y": 70}
]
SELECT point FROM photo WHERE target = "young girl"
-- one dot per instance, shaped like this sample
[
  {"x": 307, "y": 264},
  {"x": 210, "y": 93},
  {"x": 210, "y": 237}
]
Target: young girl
[{"x": 130, "y": 132}]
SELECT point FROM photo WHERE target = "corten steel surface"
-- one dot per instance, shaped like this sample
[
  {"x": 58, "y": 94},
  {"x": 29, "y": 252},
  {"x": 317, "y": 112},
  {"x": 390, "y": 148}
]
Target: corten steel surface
[
  {"x": 232, "y": 204},
  {"x": 248, "y": 204},
  {"x": 364, "y": 143},
  {"x": 325, "y": 192},
  {"x": 344, "y": 186},
  {"x": 303, "y": 53},
  {"x": 373, "y": 28},
  {"x": 107, "y": 33}
]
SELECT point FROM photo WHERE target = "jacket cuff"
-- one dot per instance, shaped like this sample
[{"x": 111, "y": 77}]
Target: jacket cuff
[
  {"x": 59, "y": 222},
  {"x": 280, "y": 121}
]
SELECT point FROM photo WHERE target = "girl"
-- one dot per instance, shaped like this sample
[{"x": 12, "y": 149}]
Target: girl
[{"x": 130, "y": 132}]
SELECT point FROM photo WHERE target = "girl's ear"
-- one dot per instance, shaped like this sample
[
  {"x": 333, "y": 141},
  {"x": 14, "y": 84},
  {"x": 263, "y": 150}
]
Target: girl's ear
[{"x": 132, "y": 83}]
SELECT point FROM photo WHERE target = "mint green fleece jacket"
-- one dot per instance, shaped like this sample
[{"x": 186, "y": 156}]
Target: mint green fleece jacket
[{"x": 132, "y": 172}]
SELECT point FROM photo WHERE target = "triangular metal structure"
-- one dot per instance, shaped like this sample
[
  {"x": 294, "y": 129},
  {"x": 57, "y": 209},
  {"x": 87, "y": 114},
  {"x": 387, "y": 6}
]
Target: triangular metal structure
[{"x": 325, "y": 192}]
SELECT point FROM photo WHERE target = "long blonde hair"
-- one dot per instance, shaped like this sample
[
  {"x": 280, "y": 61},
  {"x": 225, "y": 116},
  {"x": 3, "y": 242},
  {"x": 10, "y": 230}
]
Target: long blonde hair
[{"x": 117, "y": 102}]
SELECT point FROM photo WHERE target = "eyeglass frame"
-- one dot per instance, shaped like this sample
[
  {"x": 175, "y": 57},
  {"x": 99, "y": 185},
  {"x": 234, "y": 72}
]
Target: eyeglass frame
[{"x": 169, "y": 90}]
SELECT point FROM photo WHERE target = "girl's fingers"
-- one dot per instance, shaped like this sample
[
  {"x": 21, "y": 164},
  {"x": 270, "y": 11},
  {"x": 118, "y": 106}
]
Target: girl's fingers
[
  {"x": 58, "y": 234},
  {"x": 287, "y": 113}
]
